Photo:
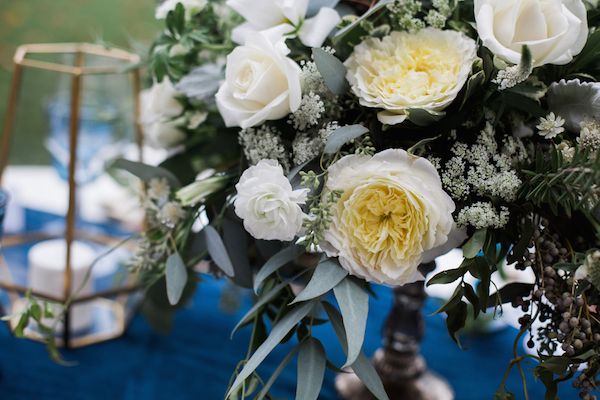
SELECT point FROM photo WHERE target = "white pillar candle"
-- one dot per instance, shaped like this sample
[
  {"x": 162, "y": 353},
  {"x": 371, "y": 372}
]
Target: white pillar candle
[{"x": 47, "y": 263}]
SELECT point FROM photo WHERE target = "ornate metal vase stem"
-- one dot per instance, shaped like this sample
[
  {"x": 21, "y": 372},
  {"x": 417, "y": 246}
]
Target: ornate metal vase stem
[{"x": 401, "y": 367}]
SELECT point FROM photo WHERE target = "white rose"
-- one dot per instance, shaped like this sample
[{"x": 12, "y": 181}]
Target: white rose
[
  {"x": 554, "y": 30},
  {"x": 164, "y": 134},
  {"x": 404, "y": 70},
  {"x": 392, "y": 216},
  {"x": 267, "y": 203},
  {"x": 192, "y": 7},
  {"x": 285, "y": 17},
  {"x": 159, "y": 108},
  {"x": 261, "y": 83}
]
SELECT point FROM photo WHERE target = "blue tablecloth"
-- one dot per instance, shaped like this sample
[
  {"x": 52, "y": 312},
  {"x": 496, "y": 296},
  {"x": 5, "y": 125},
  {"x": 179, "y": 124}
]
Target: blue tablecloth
[{"x": 196, "y": 360}]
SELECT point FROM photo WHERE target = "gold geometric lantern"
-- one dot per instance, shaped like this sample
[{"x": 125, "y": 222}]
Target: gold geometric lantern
[{"x": 59, "y": 263}]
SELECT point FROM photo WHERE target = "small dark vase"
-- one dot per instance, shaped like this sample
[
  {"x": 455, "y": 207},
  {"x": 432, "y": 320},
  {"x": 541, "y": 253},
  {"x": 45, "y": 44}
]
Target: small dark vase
[{"x": 401, "y": 367}]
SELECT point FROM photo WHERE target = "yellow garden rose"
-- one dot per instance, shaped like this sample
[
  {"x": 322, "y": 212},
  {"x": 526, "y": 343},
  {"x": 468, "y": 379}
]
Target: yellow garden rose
[
  {"x": 392, "y": 216},
  {"x": 425, "y": 70}
]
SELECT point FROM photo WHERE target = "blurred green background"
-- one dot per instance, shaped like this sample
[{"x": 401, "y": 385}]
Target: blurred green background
[{"x": 129, "y": 24}]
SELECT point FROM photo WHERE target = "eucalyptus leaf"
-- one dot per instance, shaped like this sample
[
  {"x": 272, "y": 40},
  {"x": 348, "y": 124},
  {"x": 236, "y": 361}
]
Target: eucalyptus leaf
[
  {"x": 146, "y": 172},
  {"x": 217, "y": 251},
  {"x": 354, "y": 305},
  {"x": 343, "y": 135},
  {"x": 332, "y": 70},
  {"x": 362, "y": 367},
  {"x": 315, "y": 5},
  {"x": 278, "y": 333},
  {"x": 261, "y": 302},
  {"x": 311, "y": 369},
  {"x": 268, "y": 384},
  {"x": 176, "y": 278},
  {"x": 327, "y": 275},
  {"x": 279, "y": 260}
]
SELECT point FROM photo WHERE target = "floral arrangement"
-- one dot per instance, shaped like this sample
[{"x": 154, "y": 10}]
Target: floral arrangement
[{"x": 338, "y": 144}]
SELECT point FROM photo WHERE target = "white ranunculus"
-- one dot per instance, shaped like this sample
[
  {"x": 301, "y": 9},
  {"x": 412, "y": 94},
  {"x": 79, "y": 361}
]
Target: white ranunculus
[
  {"x": 392, "y": 216},
  {"x": 424, "y": 70},
  {"x": 159, "y": 109},
  {"x": 286, "y": 17},
  {"x": 267, "y": 203},
  {"x": 554, "y": 30},
  {"x": 192, "y": 7},
  {"x": 261, "y": 83}
]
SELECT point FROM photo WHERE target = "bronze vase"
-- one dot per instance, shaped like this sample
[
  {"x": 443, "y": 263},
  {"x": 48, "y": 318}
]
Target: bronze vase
[{"x": 399, "y": 363}]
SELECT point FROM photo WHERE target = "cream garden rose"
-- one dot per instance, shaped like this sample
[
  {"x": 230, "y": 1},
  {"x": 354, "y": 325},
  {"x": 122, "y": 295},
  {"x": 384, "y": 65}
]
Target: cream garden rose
[
  {"x": 554, "y": 30},
  {"x": 261, "y": 83},
  {"x": 392, "y": 216},
  {"x": 267, "y": 204},
  {"x": 425, "y": 70}
]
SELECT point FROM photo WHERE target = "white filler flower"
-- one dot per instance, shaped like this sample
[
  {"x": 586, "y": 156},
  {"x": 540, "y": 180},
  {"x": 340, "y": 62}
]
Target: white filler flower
[
  {"x": 392, "y": 216},
  {"x": 284, "y": 17},
  {"x": 261, "y": 83},
  {"x": 425, "y": 70},
  {"x": 554, "y": 30},
  {"x": 267, "y": 203}
]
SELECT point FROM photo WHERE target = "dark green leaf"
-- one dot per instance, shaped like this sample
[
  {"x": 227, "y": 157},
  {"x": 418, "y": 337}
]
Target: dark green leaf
[
  {"x": 278, "y": 333},
  {"x": 483, "y": 288},
  {"x": 343, "y": 135},
  {"x": 326, "y": 276},
  {"x": 176, "y": 278},
  {"x": 311, "y": 369},
  {"x": 447, "y": 276},
  {"x": 518, "y": 250},
  {"x": 422, "y": 117},
  {"x": 354, "y": 305},
  {"x": 235, "y": 238},
  {"x": 457, "y": 317},
  {"x": 217, "y": 251},
  {"x": 514, "y": 291},
  {"x": 452, "y": 301},
  {"x": 470, "y": 294},
  {"x": 332, "y": 70},
  {"x": 474, "y": 82}
]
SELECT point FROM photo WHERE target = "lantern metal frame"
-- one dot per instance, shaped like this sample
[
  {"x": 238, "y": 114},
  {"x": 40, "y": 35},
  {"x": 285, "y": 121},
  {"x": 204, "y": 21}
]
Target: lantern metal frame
[{"x": 77, "y": 73}]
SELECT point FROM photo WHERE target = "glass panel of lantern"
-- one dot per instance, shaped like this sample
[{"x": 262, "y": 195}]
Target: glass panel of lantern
[{"x": 72, "y": 109}]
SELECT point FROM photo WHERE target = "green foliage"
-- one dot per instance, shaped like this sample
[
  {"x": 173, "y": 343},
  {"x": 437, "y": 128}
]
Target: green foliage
[
  {"x": 561, "y": 185},
  {"x": 320, "y": 208},
  {"x": 207, "y": 31}
]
